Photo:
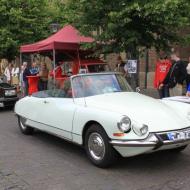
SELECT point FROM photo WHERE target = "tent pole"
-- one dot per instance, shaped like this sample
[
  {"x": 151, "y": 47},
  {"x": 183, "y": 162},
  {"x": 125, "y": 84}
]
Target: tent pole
[
  {"x": 79, "y": 58},
  {"x": 54, "y": 66},
  {"x": 20, "y": 58}
]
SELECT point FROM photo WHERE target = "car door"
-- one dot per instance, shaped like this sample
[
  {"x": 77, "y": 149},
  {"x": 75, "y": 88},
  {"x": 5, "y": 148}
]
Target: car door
[{"x": 57, "y": 111}]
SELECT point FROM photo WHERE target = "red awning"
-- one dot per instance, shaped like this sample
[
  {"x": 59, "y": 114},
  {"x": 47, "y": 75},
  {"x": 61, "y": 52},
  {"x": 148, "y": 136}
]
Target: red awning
[{"x": 68, "y": 38}]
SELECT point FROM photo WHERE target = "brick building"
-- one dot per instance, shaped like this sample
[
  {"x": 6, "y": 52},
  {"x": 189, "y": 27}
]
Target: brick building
[{"x": 147, "y": 63}]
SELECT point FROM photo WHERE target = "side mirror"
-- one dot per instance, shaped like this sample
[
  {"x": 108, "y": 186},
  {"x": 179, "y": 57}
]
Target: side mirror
[{"x": 138, "y": 90}]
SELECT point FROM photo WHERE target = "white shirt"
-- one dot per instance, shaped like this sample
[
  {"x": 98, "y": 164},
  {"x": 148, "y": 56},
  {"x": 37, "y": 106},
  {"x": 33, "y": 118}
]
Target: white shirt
[
  {"x": 15, "y": 72},
  {"x": 7, "y": 73},
  {"x": 188, "y": 68}
]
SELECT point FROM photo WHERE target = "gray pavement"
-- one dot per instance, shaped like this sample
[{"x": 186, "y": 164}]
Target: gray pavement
[{"x": 44, "y": 162}]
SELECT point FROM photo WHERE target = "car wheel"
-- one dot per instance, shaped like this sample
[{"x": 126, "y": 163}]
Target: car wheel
[
  {"x": 179, "y": 149},
  {"x": 23, "y": 127},
  {"x": 98, "y": 148}
]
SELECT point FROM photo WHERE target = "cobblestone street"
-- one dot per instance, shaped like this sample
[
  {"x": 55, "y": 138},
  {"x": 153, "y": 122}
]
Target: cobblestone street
[{"x": 44, "y": 162}]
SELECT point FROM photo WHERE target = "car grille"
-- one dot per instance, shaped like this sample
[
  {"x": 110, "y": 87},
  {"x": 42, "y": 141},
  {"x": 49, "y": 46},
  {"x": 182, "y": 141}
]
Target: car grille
[
  {"x": 9, "y": 103},
  {"x": 163, "y": 137}
]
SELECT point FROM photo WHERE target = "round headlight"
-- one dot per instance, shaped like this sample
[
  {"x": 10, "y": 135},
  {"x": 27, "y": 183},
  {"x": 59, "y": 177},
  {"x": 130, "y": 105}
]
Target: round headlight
[
  {"x": 140, "y": 130},
  {"x": 125, "y": 124}
]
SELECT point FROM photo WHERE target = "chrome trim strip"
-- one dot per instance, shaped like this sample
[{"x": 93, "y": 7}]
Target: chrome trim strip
[
  {"x": 145, "y": 143},
  {"x": 176, "y": 141},
  {"x": 150, "y": 141},
  {"x": 133, "y": 143},
  {"x": 51, "y": 133},
  {"x": 175, "y": 130}
]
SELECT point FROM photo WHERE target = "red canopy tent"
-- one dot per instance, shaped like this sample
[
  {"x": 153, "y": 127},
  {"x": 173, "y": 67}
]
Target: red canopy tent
[{"x": 68, "y": 38}]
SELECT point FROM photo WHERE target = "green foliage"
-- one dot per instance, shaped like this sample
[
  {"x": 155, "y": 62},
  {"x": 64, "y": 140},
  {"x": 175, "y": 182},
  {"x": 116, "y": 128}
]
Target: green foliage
[
  {"x": 22, "y": 21},
  {"x": 126, "y": 25},
  {"x": 55, "y": 10},
  {"x": 120, "y": 25}
]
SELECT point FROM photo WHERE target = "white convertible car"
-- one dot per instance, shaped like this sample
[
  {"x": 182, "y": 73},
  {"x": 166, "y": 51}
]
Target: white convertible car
[{"x": 103, "y": 114}]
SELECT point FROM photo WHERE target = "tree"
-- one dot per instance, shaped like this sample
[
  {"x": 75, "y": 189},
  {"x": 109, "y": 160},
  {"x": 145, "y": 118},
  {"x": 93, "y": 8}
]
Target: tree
[
  {"x": 123, "y": 25},
  {"x": 56, "y": 14},
  {"x": 22, "y": 21}
]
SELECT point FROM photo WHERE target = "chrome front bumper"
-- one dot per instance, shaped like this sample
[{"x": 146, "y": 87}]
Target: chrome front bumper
[{"x": 157, "y": 140}]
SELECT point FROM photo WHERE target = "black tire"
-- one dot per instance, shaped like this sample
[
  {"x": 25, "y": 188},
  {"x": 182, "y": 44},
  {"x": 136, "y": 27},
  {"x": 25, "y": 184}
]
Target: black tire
[
  {"x": 109, "y": 154},
  {"x": 24, "y": 128},
  {"x": 12, "y": 107},
  {"x": 178, "y": 150}
]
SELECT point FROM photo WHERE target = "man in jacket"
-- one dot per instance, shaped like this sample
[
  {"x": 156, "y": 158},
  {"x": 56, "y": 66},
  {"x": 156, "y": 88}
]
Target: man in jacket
[
  {"x": 176, "y": 76},
  {"x": 163, "y": 66},
  {"x": 26, "y": 73}
]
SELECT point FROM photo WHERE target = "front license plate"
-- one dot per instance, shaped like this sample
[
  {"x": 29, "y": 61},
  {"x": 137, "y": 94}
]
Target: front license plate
[
  {"x": 178, "y": 135},
  {"x": 10, "y": 92}
]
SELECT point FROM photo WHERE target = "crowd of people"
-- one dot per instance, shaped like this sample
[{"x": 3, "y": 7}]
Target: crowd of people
[
  {"x": 18, "y": 76},
  {"x": 11, "y": 74},
  {"x": 171, "y": 76}
]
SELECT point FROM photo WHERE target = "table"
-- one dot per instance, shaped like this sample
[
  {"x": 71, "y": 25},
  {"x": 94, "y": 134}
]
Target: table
[{"x": 32, "y": 84}]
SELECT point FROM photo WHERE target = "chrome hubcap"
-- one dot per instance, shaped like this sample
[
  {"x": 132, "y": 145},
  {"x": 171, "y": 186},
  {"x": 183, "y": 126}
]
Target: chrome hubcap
[
  {"x": 22, "y": 123},
  {"x": 96, "y": 146}
]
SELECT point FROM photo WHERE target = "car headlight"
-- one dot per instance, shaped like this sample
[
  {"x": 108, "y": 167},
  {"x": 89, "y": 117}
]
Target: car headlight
[
  {"x": 10, "y": 92},
  {"x": 140, "y": 130},
  {"x": 124, "y": 124}
]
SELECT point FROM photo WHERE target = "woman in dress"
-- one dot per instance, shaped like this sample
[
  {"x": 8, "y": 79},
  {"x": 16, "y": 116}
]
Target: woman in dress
[
  {"x": 8, "y": 74},
  {"x": 15, "y": 76}
]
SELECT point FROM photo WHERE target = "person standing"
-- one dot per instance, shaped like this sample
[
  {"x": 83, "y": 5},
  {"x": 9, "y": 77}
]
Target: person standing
[
  {"x": 21, "y": 82},
  {"x": 119, "y": 67},
  {"x": 188, "y": 79},
  {"x": 34, "y": 70},
  {"x": 188, "y": 91},
  {"x": 176, "y": 76},
  {"x": 7, "y": 73},
  {"x": 55, "y": 74},
  {"x": 3, "y": 66},
  {"x": 43, "y": 74},
  {"x": 15, "y": 76},
  {"x": 25, "y": 74},
  {"x": 163, "y": 66}
]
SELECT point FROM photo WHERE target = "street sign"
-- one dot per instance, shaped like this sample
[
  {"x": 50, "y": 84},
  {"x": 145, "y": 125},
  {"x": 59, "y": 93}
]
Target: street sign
[{"x": 131, "y": 66}]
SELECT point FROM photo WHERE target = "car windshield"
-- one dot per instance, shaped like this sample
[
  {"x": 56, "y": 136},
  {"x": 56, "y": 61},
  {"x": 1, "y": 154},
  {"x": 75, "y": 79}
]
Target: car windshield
[{"x": 90, "y": 85}]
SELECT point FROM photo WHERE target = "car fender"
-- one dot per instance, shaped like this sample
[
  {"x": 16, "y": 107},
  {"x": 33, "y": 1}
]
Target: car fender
[{"x": 107, "y": 119}]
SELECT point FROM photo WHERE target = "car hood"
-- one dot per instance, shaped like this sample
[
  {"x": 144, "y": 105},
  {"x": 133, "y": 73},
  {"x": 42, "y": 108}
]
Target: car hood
[{"x": 142, "y": 109}]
